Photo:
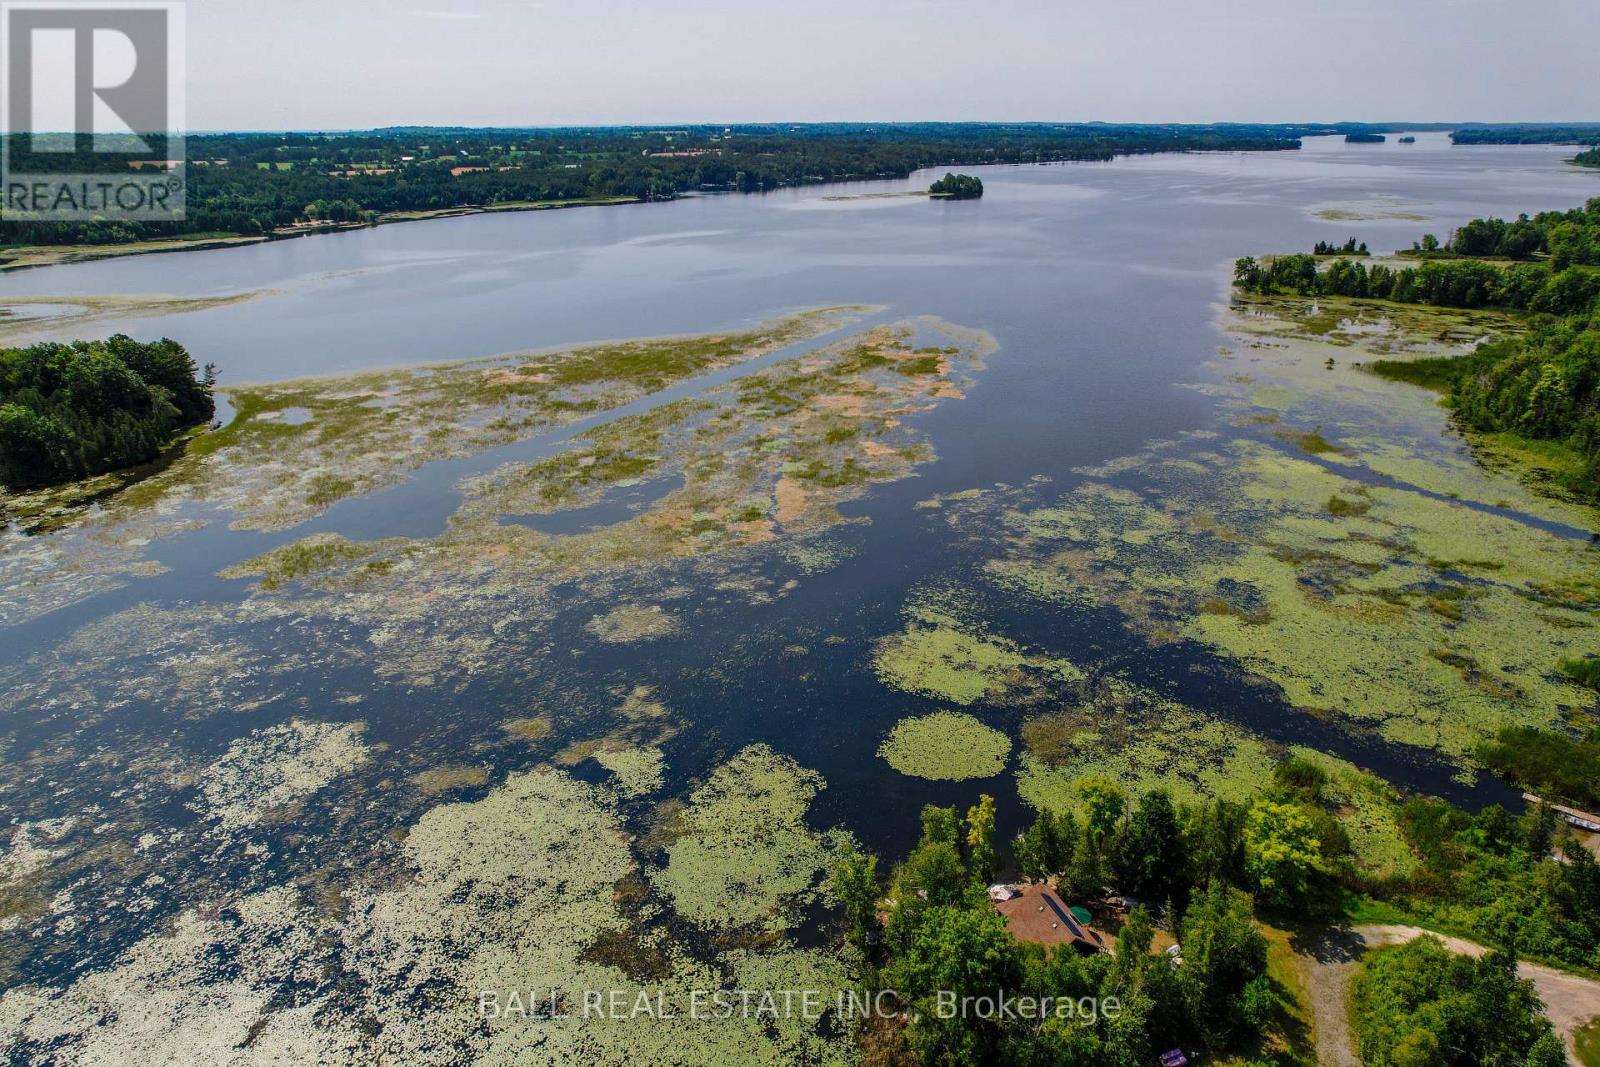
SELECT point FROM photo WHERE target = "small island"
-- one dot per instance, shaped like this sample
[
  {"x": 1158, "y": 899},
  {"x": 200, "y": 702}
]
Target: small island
[
  {"x": 1349, "y": 248},
  {"x": 956, "y": 187},
  {"x": 1364, "y": 138},
  {"x": 68, "y": 411},
  {"x": 1408, "y": 139},
  {"x": 1591, "y": 158}
]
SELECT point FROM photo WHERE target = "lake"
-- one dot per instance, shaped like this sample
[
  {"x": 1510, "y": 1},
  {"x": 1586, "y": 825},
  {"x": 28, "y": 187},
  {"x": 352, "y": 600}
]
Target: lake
[{"x": 1102, "y": 286}]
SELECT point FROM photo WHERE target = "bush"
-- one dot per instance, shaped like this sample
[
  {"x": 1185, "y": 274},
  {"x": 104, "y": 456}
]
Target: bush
[{"x": 1419, "y": 1005}]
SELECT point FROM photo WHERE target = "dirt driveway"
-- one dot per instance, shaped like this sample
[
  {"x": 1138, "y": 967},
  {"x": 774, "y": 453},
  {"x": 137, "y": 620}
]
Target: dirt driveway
[{"x": 1331, "y": 959}]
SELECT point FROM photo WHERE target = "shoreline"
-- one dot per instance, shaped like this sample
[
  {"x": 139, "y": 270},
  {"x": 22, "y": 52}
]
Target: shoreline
[
  {"x": 37, "y": 256},
  {"x": 63, "y": 255}
]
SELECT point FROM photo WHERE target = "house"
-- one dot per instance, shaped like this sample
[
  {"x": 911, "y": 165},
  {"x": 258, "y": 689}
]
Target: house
[{"x": 1035, "y": 913}]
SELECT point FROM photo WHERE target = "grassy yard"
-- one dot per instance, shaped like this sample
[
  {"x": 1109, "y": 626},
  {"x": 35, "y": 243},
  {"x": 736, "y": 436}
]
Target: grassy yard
[
  {"x": 1588, "y": 1041},
  {"x": 1289, "y": 1040}
]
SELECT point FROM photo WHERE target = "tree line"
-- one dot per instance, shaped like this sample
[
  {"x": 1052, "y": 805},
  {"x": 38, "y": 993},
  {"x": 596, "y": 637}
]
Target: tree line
[
  {"x": 1203, "y": 872},
  {"x": 71, "y": 410},
  {"x": 252, "y": 183},
  {"x": 1443, "y": 283},
  {"x": 1349, "y": 248},
  {"x": 1534, "y": 133}
]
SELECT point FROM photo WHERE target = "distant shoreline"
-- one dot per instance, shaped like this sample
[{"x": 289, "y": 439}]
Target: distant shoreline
[{"x": 36, "y": 256}]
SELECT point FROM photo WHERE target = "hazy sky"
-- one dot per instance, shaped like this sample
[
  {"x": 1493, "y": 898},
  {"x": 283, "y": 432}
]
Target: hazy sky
[{"x": 270, "y": 64}]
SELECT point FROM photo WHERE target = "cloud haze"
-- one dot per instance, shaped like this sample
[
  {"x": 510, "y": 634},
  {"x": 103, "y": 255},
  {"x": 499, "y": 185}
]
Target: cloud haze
[{"x": 357, "y": 63}]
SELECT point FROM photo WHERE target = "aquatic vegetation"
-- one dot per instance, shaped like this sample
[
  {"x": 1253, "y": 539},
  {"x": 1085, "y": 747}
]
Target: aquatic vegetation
[
  {"x": 1375, "y": 208},
  {"x": 273, "y": 768},
  {"x": 743, "y": 855},
  {"x": 946, "y": 746},
  {"x": 638, "y": 771},
  {"x": 532, "y": 729},
  {"x": 817, "y": 555},
  {"x": 517, "y": 891},
  {"x": 367, "y": 430},
  {"x": 632, "y": 622},
  {"x": 203, "y": 991},
  {"x": 1369, "y": 810},
  {"x": 436, "y": 780},
  {"x": 1396, "y": 582},
  {"x": 1143, "y": 741},
  {"x": 934, "y": 657},
  {"x": 727, "y": 451},
  {"x": 196, "y": 662},
  {"x": 774, "y": 452},
  {"x": 352, "y": 434},
  {"x": 301, "y": 558},
  {"x": 28, "y": 851}
]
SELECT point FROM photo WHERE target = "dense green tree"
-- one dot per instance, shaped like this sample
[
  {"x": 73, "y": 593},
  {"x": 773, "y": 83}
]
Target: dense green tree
[
  {"x": 854, "y": 883},
  {"x": 962, "y": 952},
  {"x": 1547, "y": 1051},
  {"x": 254, "y": 183},
  {"x": 71, "y": 410},
  {"x": 957, "y": 187},
  {"x": 1225, "y": 960},
  {"x": 940, "y": 825},
  {"x": 1420, "y": 1005},
  {"x": 980, "y": 839},
  {"x": 1046, "y": 847},
  {"x": 933, "y": 872},
  {"x": 1281, "y": 850},
  {"x": 1545, "y": 386},
  {"x": 1103, "y": 804},
  {"x": 1085, "y": 876},
  {"x": 1472, "y": 871},
  {"x": 1150, "y": 857},
  {"x": 1548, "y": 762},
  {"x": 1216, "y": 842}
]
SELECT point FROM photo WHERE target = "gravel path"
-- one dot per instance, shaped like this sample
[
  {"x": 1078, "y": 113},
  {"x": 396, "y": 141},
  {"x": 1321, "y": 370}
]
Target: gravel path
[{"x": 1330, "y": 960}]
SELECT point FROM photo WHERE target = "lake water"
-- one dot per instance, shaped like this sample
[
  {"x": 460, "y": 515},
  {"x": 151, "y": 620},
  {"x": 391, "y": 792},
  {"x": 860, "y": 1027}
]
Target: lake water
[{"x": 1100, "y": 282}]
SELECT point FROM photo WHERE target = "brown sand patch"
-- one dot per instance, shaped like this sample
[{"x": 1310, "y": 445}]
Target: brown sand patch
[
  {"x": 851, "y": 404},
  {"x": 791, "y": 500}
]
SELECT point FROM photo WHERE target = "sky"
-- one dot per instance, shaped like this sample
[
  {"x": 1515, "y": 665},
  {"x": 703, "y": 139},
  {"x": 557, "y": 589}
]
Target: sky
[{"x": 336, "y": 64}]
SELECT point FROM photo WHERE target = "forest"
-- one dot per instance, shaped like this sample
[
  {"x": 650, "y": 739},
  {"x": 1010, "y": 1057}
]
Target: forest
[
  {"x": 1587, "y": 133},
  {"x": 1544, "y": 386},
  {"x": 253, "y": 183},
  {"x": 1590, "y": 158},
  {"x": 1203, "y": 876},
  {"x": 71, "y": 410}
]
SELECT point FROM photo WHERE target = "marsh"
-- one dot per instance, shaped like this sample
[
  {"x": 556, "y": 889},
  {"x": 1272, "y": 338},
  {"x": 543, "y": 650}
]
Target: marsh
[{"x": 312, "y": 718}]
